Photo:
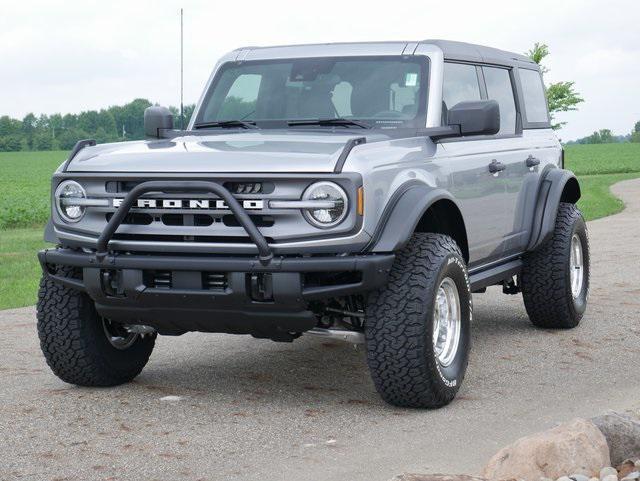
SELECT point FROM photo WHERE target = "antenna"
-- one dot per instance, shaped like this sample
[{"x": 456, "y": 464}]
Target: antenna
[{"x": 181, "y": 72}]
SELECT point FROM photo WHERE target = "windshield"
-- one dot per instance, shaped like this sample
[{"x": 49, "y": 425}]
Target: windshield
[{"x": 380, "y": 92}]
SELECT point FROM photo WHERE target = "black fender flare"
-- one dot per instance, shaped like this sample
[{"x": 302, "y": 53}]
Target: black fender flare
[
  {"x": 402, "y": 213},
  {"x": 550, "y": 194},
  {"x": 50, "y": 233}
]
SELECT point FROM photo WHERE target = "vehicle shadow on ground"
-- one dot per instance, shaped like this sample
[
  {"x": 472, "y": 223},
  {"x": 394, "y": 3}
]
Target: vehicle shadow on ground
[{"x": 309, "y": 370}]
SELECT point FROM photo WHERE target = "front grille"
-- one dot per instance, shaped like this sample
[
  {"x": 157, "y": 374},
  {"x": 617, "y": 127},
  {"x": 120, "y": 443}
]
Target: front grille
[
  {"x": 133, "y": 218},
  {"x": 244, "y": 187},
  {"x": 214, "y": 281},
  {"x": 200, "y": 217},
  {"x": 197, "y": 220},
  {"x": 249, "y": 187},
  {"x": 258, "y": 220},
  {"x": 210, "y": 281},
  {"x": 160, "y": 279},
  {"x": 188, "y": 238}
]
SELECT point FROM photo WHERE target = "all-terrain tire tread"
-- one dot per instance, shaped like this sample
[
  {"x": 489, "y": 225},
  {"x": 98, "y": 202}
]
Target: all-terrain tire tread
[
  {"x": 395, "y": 320},
  {"x": 545, "y": 288},
  {"x": 71, "y": 354}
]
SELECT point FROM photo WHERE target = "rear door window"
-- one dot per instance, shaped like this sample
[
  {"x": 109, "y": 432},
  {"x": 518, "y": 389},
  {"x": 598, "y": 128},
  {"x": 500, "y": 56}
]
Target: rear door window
[
  {"x": 499, "y": 88},
  {"x": 535, "y": 104}
]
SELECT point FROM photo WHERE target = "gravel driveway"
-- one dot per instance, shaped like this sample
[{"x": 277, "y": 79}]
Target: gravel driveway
[{"x": 217, "y": 407}]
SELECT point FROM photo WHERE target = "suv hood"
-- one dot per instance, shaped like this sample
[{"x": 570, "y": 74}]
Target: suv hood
[{"x": 246, "y": 151}]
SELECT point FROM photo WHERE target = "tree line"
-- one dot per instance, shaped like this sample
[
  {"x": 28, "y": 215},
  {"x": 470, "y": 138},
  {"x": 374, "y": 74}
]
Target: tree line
[
  {"x": 605, "y": 136},
  {"x": 60, "y": 132}
]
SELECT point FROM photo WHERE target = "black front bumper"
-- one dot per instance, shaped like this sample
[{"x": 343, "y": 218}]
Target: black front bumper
[{"x": 119, "y": 285}]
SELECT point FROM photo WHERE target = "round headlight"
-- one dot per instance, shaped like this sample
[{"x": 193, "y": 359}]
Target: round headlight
[
  {"x": 329, "y": 216},
  {"x": 66, "y": 192}
]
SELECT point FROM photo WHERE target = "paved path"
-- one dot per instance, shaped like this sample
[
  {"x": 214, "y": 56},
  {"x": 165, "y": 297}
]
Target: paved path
[{"x": 257, "y": 410}]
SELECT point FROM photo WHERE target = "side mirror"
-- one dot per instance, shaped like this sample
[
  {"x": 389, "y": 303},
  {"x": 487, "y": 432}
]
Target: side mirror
[
  {"x": 156, "y": 121},
  {"x": 476, "y": 117}
]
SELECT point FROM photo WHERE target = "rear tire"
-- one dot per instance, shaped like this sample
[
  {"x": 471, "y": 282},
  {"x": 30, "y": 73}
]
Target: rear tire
[
  {"x": 75, "y": 341},
  {"x": 553, "y": 296},
  {"x": 408, "y": 366}
]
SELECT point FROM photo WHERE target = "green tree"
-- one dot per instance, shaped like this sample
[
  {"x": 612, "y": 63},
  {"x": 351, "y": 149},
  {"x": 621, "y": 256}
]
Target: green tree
[
  {"x": 562, "y": 96},
  {"x": 188, "y": 112},
  {"x": 68, "y": 138},
  {"x": 133, "y": 118},
  {"x": 538, "y": 53},
  {"x": 9, "y": 126},
  {"x": 635, "y": 134},
  {"x": 89, "y": 121},
  {"x": 70, "y": 121},
  {"x": 43, "y": 141},
  {"x": 29, "y": 128},
  {"x": 107, "y": 122},
  {"x": 101, "y": 136},
  {"x": 11, "y": 143},
  {"x": 56, "y": 123},
  {"x": 602, "y": 136}
]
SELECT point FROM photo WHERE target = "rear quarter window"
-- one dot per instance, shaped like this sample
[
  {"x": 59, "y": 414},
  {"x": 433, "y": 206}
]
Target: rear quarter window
[{"x": 535, "y": 103}]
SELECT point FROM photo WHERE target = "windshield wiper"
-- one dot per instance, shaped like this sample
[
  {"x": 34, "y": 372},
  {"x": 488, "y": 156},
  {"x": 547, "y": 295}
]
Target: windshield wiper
[
  {"x": 333, "y": 121},
  {"x": 245, "y": 124}
]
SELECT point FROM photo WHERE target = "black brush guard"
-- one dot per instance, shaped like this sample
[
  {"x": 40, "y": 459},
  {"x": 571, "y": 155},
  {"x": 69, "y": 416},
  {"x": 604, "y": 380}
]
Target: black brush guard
[{"x": 265, "y": 255}]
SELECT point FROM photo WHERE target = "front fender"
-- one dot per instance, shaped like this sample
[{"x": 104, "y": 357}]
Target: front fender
[
  {"x": 550, "y": 194},
  {"x": 402, "y": 214}
]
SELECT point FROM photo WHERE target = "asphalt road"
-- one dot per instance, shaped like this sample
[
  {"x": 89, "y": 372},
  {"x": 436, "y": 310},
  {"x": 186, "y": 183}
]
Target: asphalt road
[{"x": 243, "y": 409}]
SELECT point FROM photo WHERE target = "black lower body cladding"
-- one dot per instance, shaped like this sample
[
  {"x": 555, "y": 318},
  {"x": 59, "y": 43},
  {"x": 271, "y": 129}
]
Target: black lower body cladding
[{"x": 236, "y": 295}]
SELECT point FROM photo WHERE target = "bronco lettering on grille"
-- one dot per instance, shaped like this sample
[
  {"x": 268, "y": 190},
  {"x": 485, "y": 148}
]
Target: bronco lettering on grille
[{"x": 190, "y": 204}]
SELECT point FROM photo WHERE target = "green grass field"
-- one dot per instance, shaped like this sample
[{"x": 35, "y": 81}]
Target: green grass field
[
  {"x": 25, "y": 183},
  {"x": 24, "y": 205}
]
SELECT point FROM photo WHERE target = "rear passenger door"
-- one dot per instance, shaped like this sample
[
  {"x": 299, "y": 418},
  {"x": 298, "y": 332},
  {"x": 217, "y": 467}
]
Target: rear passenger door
[
  {"x": 512, "y": 150},
  {"x": 480, "y": 193},
  {"x": 541, "y": 149}
]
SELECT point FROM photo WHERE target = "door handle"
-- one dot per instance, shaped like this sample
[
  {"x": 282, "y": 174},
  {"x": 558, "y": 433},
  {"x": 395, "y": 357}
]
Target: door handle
[
  {"x": 495, "y": 166},
  {"x": 532, "y": 161}
]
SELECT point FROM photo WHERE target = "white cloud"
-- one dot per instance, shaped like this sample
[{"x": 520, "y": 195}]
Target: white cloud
[{"x": 77, "y": 55}]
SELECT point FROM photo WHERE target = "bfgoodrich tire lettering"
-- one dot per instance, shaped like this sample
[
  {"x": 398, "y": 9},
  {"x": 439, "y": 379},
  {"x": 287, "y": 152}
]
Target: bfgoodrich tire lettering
[
  {"x": 74, "y": 343},
  {"x": 399, "y": 325},
  {"x": 546, "y": 275}
]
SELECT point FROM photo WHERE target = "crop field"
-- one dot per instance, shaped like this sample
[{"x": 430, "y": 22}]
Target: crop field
[
  {"x": 25, "y": 182},
  {"x": 24, "y": 205}
]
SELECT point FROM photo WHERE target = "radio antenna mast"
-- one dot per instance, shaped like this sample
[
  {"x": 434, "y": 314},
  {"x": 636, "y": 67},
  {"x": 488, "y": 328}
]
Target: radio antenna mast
[{"x": 181, "y": 71}]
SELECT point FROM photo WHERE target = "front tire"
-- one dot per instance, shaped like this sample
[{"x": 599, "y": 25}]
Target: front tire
[
  {"x": 79, "y": 346},
  {"x": 555, "y": 277},
  {"x": 417, "y": 328}
]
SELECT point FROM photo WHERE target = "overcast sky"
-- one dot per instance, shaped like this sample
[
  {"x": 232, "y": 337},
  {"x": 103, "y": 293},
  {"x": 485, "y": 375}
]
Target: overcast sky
[{"x": 78, "y": 55}]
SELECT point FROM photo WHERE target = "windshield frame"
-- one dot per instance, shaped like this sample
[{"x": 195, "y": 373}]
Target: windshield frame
[{"x": 418, "y": 121}]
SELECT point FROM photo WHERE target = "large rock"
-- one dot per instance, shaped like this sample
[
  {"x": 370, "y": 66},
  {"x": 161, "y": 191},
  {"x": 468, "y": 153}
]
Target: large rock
[
  {"x": 622, "y": 433},
  {"x": 574, "y": 447},
  {"x": 436, "y": 477}
]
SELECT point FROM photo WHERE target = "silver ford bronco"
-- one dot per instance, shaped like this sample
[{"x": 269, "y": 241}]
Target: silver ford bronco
[{"x": 360, "y": 191}]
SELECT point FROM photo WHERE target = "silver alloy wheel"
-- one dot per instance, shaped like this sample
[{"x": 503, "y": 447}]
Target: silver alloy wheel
[
  {"x": 446, "y": 322},
  {"x": 118, "y": 336},
  {"x": 576, "y": 266}
]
